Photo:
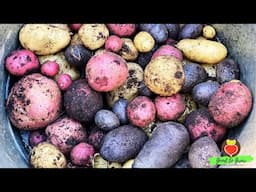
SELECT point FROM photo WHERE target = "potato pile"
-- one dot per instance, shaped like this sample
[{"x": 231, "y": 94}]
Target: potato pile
[{"x": 124, "y": 95}]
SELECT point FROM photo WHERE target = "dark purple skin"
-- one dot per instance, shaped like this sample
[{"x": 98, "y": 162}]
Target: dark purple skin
[
  {"x": 145, "y": 91},
  {"x": 173, "y": 30},
  {"x": 37, "y": 137},
  {"x": 190, "y": 31},
  {"x": 144, "y": 58},
  {"x": 158, "y": 31},
  {"x": 96, "y": 138},
  {"x": 119, "y": 108},
  {"x": 203, "y": 92}
]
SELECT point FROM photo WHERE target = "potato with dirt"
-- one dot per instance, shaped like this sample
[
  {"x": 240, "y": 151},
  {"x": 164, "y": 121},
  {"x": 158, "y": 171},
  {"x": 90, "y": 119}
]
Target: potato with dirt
[
  {"x": 33, "y": 102},
  {"x": 82, "y": 154},
  {"x": 65, "y": 133},
  {"x": 106, "y": 120},
  {"x": 113, "y": 43},
  {"x": 164, "y": 148},
  {"x": 173, "y": 30},
  {"x": 144, "y": 42},
  {"x": 168, "y": 50},
  {"x": 122, "y": 30},
  {"x": 128, "y": 51},
  {"x": 81, "y": 102},
  {"x": 190, "y": 31},
  {"x": 44, "y": 39},
  {"x": 231, "y": 104},
  {"x": 46, "y": 155},
  {"x": 159, "y": 81},
  {"x": 158, "y": 31},
  {"x": 123, "y": 143},
  {"x": 106, "y": 71}
]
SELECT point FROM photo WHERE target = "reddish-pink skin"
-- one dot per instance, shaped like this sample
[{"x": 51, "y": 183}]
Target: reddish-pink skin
[
  {"x": 169, "y": 108},
  {"x": 201, "y": 124},
  {"x": 34, "y": 102},
  {"x": 36, "y": 137},
  {"x": 106, "y": 71},
  {"x": 122, "y": 30},
  {"x": 113, "y": 43},
  {"x": 141, "y": 111},
  {"x": 65, "y": 134},
  {"x": 168, "y": 50},
  {"x": 50, "y": 68},
  {"x": 75, "y": 27},
  {"x": 231, "y": 104},
  {"x": 82, "y": 154},
  {"x": 21, "y": 62},
  {"x": 64, "y": 81}
]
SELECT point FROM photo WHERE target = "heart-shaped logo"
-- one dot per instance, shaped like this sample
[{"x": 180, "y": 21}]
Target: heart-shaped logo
[{"x": 231, "y": 147}]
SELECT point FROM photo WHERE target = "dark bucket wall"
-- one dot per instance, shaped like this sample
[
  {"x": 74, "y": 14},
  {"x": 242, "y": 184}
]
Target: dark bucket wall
[{"x": 240, "y": 40}]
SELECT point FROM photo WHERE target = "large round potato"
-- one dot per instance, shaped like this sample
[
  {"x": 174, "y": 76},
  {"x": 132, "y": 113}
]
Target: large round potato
[
  {"x": 44, "y": 39},
  {"x": 164, "y": 75}
]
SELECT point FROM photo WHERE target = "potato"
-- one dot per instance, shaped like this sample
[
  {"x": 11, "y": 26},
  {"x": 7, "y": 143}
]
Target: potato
[
  {"x": 82, "y": 154},
  {"x": 145, "y": 91},
  {"x": 119, "y": 108},
  {"x": 64, "y": 81},
  {"x": 75, "y": 40},
  {"x": 200, "y": 152},
  {"x": 130, "y": 88},
  {"x": 50, "y": 68},
  {"x": 168, "y": 50},
  {"x": 93, "y": 36},
  {"x": 164, "y": 75},
  {"x": 129, "y": 52},
  {"x": 64, "y": 66},
  {"x": 44, "y": 39},
  {"x": 123, "y": 143},
  {"x": 96, "y": 137},
  {"x": 36, "y": 137},
  {"x": 164, "y": 148},
  {"x": 202, "y": 51},
  {"x": 210, "y": 70},
  {"x": 143, "y": 41},
  {"x": 128, "y": 164},
  {"x": 209, "y": 32},
  {"x": 173, "y": 30},
  {"x": 122, "y": 30},
  {"x": 106, "y": 120},
  {"x": 144, "y": 58},
  {"x": 158, "y": 31},
  {"x": 99, "y": 162},
  {"x": 113, "y": 43},
  {"x": 190, "y": 31},
  {"x": 46, "y": 155}
]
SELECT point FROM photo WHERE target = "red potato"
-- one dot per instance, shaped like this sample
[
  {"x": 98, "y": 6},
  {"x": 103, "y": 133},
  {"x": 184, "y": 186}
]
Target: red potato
[
  {"x": 168, "y": 50},
  {"x": 106, "y": 71},
  {"x": 82, "y": 154},
  {"x": 64, "y": 81},
  {"x": 34, "y": 102},
  {"x": 37, "y": 137},
  {"x": 65, "y": 133},
  {"x": 22, "y": 62},
  {"x": 200, "y": 123},
  {"x": 122, "y": 30},
  {"x": 141, "y": 111},
  {"x": 113, "y": 43},
  {"x": 231, "y": 104},
  {"x": 170, "y": 108},
  {"x": 50, "y": 68},
  {"x": 75, "y": 27}
]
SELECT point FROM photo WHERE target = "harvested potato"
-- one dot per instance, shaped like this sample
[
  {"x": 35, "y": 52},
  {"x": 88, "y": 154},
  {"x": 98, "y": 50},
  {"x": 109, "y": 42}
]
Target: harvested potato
[
  {"x": 128, "y": 51},
  {"x": 75, "y": 40},
  {"x": 82, "y": 154},
  {"x": 209, "y": 32},
  {"x": 96, "y": 137},
  {"x": 173, "y": 30},
  {"x": 99, "y": 162},
  {"x": 190, "y": 31},
  {"x": 122, "y": 30},
  {"x": 113, "y": 43},
  {"x": 106, "y": 120},
  {"x": 44, "y": 39},
  {"x": 144, "y": 58},
  {"x": 200, "y": 152},
  {"x": 93, "y": 36},
  {"x": 210, "y": 70},
  {"x": 46, "y": 155},
  {"x": 120, "y": 109},
  {"x": 164, "y": 75},
  {"x": 158, "y": 31},
  {"x": 164, "y": 148},
  {"x": 64, "y": 66},
  {"x": 202, "y": 51},
  {"x": 144, "y": 90},
  {"x": 130, "y": 88},
  {"x": 168, "y": 50},
  {"x": 143, "y": 41}
]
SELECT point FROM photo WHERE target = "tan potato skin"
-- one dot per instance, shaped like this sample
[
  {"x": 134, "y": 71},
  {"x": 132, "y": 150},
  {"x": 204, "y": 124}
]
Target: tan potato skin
[
  {"x": 44, "y": 39},
  {"x": 202, "y": 51},
  {"x": 164, "y": 75},
  {"x": 129, "y": 52}
]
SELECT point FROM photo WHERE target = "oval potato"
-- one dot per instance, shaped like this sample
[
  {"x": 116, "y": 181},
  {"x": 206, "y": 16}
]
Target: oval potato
[
  {"x": 44, "y": 39},
  {"x": 202, "y": 51},
  {"x": 129, "y": 52}
]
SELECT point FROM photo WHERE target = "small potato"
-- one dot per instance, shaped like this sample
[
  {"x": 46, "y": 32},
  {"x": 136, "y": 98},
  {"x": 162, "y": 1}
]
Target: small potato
[
  {"x": 44, "y": 39},
  {"x": 210, "y": 70},
  {"x": 46, "y": 155},
  {"x": 75, "y": 40},
  {"x": 122, "y": 30},
  {"x": 164, "y": 75},
  {"x": 144, "y": 90},
  {"x": 173, "y": 30},
  {"x": 168, "y": 50},
  {"x": 106, "y": 120},
  {"x": 202, "y": 51},
  {"x": 158, "y": 31},
  {"x": 209, "y": 32},
  {"x": 119, "y": 108},
  {"x": 100, "y": 163},
  {"x": 113, "y": 43},
  {"x": 64, "y": 66},
  {"x": 144, "y": 42},
  {"x": 129, "y": 52},
  {"x": 130, "y": 88},
  {"x": 82, "y": 154},
  {"x": 64, "y": 81},
  {"x": 190, "y": 31},
  {"x": 93, "y": 36}
]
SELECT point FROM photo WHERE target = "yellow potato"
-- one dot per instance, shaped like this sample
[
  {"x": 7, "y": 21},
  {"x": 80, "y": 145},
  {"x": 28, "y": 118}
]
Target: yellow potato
[
  {"x": 128, "y": 164},
  {"x": 164, "y": 75},
  {"x": 64, "y": 66},
  {"x": 46, "y": 155},
  {"x": 202, "y": 51},
  {"x": 129, "y": 52},
  {"x": 44, "y": 39},
  {"x": 144, "y": 42},
  {"x": 75, "y": 40},
  {"x": 209, "y": 32},
  {"x": 93, "y": 36},
  {"x": 99, "y": 162},
  {"x": 130, "y": 88}
]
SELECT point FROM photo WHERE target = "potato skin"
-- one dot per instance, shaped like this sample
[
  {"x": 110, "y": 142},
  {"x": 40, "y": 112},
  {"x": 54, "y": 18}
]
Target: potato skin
[
  {"x": 231, "y": 104},
  {"x": 160, "y": 82},
  {"x": 123, "y": 143},
  {"x": 164, "y": 148},
  {"x": 46, "y": 155},
  {"x": 44, "y": 39},
  {"x": 190, "y": 31},
  {"x": 158, "y": 31},
  {"x": 106, "y": 120},
  {"x": 93, "y": 36},
  {"x": 33, "y": 102},
  {"x": 168, "y": 50},
  {"x": 128, "y": 51},
  {"x": 173, "y": 30},
  {"x": 122, "y": 30},
  {"x": 202, "y": 51},
  {"x": 143, "y": 41}
]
